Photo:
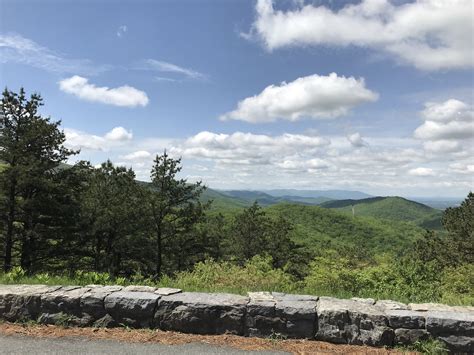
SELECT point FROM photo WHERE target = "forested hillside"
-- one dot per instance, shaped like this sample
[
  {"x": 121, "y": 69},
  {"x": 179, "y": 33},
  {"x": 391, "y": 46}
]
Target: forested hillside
[
  {"x": 391, "y": 208},
  {"x": 88, "y": 224}
]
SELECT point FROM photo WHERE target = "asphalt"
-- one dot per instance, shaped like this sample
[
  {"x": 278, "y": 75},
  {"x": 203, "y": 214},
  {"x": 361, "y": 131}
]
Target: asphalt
[{"x": 13, "y": 344}]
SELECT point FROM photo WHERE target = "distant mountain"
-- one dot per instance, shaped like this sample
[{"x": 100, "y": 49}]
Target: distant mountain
[
  {"x": 329, "y": 194},
  {"x": 265, "y": 199},
  {"x": 392, "y": 208}
]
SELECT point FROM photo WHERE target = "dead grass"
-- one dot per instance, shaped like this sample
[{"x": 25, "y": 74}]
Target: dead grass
[{"x": 175, "y": 338}]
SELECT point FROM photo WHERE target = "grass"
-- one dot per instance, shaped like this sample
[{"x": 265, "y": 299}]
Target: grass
[{"x": 428, "y": 347}]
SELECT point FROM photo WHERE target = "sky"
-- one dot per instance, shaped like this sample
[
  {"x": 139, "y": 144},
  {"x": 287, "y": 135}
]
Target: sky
[{"x": 371, "y": 95}]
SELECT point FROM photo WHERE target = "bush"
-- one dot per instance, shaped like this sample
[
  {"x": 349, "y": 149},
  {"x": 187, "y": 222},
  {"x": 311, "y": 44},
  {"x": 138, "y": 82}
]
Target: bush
[{"x": 256, "y": 275}]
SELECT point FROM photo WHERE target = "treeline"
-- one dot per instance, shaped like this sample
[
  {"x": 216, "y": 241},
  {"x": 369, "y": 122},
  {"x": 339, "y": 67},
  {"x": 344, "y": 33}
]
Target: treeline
[
  {"x": 57, "y": 217},
  {"x": 76, "y": 219}
]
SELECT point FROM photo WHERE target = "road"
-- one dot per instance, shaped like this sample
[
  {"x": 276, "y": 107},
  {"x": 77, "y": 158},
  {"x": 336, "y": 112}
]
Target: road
[{"x": 15, "y": 344}]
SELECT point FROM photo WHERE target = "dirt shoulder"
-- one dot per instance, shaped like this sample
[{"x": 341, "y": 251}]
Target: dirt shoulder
[{"x": 175, "y": 338}]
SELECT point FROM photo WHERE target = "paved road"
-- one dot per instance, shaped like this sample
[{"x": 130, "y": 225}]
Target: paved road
[{"x": 76, "y": 345}]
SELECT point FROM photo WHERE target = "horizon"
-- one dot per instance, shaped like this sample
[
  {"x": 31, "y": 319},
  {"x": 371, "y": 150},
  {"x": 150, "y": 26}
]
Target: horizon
[{"x": 362, "y": 100}]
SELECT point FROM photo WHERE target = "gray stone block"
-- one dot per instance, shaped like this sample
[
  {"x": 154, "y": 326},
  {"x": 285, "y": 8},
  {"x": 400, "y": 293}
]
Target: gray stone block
[
  {"x": 22, "y": 302},
  {"x": 202, "y": 313},
  {"x": 352, "y": 322},
  {"x": 134, "y": 309},
  {"x": 459, "y": 344},
  {"x": 450, "y": 323},
  {"x": 410, "y": 336},
  {"x": 406, "y": 319}
]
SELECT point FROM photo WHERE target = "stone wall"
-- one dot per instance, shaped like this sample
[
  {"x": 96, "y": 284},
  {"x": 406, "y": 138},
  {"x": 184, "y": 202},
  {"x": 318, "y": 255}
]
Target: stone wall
[{"x": 261, "y": 314}]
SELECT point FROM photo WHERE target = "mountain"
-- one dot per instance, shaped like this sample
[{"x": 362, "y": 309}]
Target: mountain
[
  {"x": 320, "y": 228},
  {"x": 390, "y": 208},
  {"x": 329, "y": 194},
  {"x": 265, "y": 199}
]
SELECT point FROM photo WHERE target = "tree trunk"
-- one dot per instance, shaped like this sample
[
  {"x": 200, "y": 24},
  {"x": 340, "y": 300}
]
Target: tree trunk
[{"x": 159, "y": 251}]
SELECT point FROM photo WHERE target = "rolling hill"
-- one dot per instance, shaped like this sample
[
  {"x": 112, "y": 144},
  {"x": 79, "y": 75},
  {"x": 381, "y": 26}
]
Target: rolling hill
[
  {"x": 265, "y": 199},
  {"x": 390, "y": 208},
  {"x": 320, "y": 228},
  {"x": 329, "y": 194}
]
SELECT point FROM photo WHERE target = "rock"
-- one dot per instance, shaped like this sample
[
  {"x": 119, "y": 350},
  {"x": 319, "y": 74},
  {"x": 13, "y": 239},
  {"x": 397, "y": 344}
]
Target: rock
[
  {"x": 410, "y": 336},
  {"x": 260, "y": 296},
  {"x": 134, "y": 309},
  {"x": 105, "y": 322},
  {"x": 202, "y": 313},
  {"x": 298, "y": 313},
  {"x": 459, "y": 344},
  {"x": 440, "y": 323},
  {"x": 391, "y": 305},
  {"x": 65, "y": 299},
  {"x": 351, "y": 322},
  {"x": 22, "y": 302},
  {"x": 370, "y": 301},
  {"x": 406, "y": 319},
  {"x": 426, "y": 307},
  {"x": 63, "y": 304},
  {"x": 139, "y": 289},
  {"x": 166, "y": 291},
  {"x": 92, "y": 302},
  {"x": 260, "y": 318}
]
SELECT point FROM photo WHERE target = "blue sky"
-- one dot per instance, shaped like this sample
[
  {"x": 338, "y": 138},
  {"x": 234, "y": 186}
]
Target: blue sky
[{"x": 203, "y": 79}]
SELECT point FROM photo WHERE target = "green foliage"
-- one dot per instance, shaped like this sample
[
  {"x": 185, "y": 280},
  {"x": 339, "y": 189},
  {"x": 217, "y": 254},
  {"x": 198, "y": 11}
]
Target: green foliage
[
  {"x": 257, "y": 274},
  {"x": 428, "y": 347},
  {"x": 390, "y": 208}
]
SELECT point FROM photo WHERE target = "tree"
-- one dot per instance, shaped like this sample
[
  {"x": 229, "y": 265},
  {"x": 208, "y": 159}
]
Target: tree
[
  {"x": 112, "y": 214},
  {"x": 174, "y": 208},
  {"x": 459, "y": 222},
  {"x": 31, "y": 147},
  {"x": 248, "y": 233}
]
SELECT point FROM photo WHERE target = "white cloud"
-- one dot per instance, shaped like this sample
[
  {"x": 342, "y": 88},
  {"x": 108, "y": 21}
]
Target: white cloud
[
  {"x": 421, "y": 172},
  {"x": 448, "y": 110},
  {"x": 81, "y": 140},
  {"x": 119, "y": 134},
  {"x": 121, "y": 31},
  {"x": 121, "y": 96},
  {"x": 246, "y": 160},
  {"x": 356, "y": 140},
  {"x": 428, "y": 34},
  {"x": 18, "y": 49},
  {"x": 167, "y": 67},
  {"x": 313, "y": 96},
  {"x": 138, "y": 155},
  {"x": 449, "y": 120},
  {"x": 442, "y": 146}
]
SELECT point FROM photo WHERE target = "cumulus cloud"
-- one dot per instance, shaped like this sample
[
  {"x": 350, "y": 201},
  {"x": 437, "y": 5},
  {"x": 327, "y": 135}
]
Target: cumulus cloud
[
  {"x": 421, "y": 172},
  {"x": 314, "y": 96},
  {"x": 18, "y": 49},
  {"x": 81, "y": 140},
  {"x": 306, "y": 160},
  {"x": 356, "y": 140},
  {"x": 166, "y": 67},
  {"x": 125, "y": 96},
  {"x": 119, "y": 134},
  {"x": 428, "y": 34},
  {"x": 448, "y": 120},
  {"x": 138, "y": 155}
]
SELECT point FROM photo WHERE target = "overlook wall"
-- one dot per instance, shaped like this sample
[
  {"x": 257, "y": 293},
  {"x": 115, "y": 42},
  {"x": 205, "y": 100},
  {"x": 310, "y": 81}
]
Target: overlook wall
[{"x": 354, "y": 321}]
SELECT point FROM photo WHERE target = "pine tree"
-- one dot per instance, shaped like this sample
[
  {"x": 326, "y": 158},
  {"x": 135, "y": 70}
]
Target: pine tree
[
  {"x": 31, "y": 147},
  {"x": 174, "y": 209}
]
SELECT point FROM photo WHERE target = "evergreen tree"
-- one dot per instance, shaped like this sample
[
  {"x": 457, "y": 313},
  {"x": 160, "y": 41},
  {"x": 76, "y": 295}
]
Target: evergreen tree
[
  {"x": 32, "y": 149},
  {"x": 175, "y": 210}
]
